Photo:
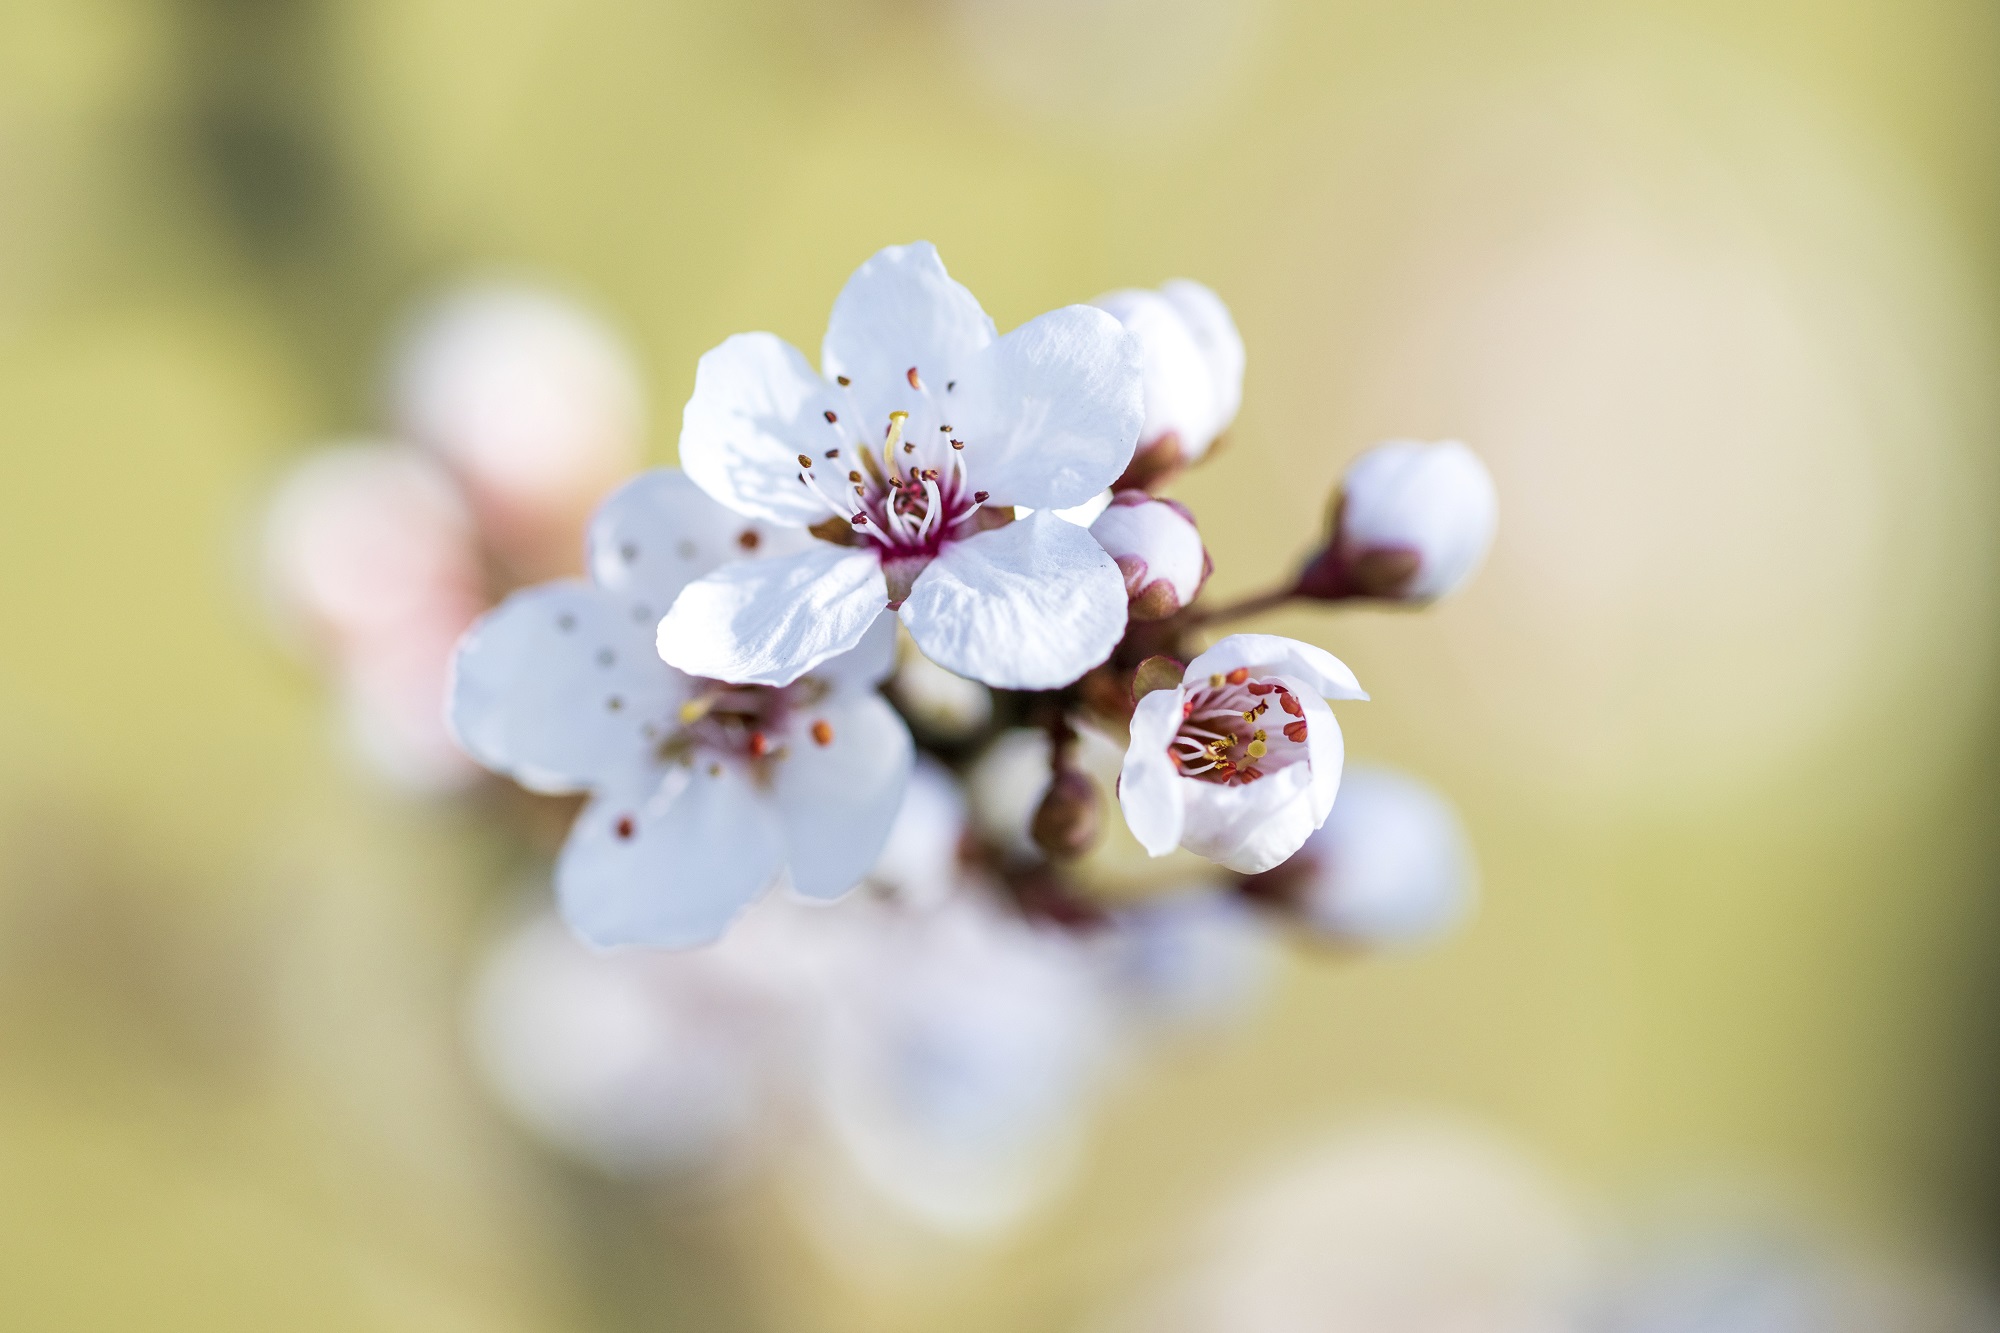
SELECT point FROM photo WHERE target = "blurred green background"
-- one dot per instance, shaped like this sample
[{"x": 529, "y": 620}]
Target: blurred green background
[{"x": 1711, "y": 286}]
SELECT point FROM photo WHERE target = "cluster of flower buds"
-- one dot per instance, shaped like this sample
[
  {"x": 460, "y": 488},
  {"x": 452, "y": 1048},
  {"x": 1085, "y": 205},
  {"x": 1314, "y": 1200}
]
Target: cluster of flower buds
[{"x": 917, "y": 620}]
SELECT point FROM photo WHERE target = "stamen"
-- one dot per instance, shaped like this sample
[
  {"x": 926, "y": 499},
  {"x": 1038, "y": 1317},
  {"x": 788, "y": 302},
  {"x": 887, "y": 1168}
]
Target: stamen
[
  {"x": 830, "y": 417},
  {"x": 1238, "y": 676},
  {"x": 760, "y": 745},
  {"x": 911, "y": 376},
  {"x": 842, "y": 381},
  {"x": 694, "y": 710},
  {"x": 1290, "y": 704},
  {"x": 822, "y": 732},
  {"x": 805, "y": 461},
  {"x": 1295, "y": 731},
  {"x": 625, "y": 828}
]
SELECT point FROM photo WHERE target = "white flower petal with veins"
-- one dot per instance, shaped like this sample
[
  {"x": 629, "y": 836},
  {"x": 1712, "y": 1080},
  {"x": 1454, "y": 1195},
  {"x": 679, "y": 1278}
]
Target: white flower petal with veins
[{"x": 1032, "y": 605}]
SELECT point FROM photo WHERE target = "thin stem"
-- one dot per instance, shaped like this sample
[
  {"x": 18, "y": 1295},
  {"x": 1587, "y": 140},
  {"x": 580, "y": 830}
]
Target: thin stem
[{"x": 1249, "y": 606}]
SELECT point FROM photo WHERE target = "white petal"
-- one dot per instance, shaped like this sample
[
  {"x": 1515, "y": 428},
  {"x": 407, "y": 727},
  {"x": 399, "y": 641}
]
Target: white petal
[
  {"x": 1250, "y": 828},
  {"x": 1051, "y": 412},
  {"x": 1149, "y": 786},
  {"x": 1267, "y": 654},
  {"x": 1160, "y": 535},
  {"x": 1029, "y": 606},
  {"x": 1325, "y": 750},
  {"x": 757, "y": 406},
  {"x": 867, "y": 664},
  {"x": 1221, "y": 345},
  {"x": 838, "y": 801},
  {"x": 768, "y": 622},
  {"x": 534, "y": 683},
  {"x": 701, "y": 848},
  {"x": 1180, "y": 393},
  {"x": 1435, "y": 499},
  {"x": 660, "y": 532},
  {"x": 899, "y": 310}
]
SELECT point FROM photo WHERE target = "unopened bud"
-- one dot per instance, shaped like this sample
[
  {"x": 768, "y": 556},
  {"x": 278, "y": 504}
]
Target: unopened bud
[
  {"x": 1390, "y": 867},
  {"x": 1193, "y": 360},
  {"x": 1157, "y": 549},
  {"x": 1070, "y": 817},
  {"x": 1411, "y": 522}
]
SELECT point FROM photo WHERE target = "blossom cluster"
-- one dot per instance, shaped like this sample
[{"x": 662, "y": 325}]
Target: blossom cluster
[
  {"x": 900, "y": 695},
  {"x": 712, "y": 682}
]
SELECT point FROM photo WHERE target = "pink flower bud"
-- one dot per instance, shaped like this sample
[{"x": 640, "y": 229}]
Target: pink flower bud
[
  {"x": 1158, "y": 550},
  {"x": 1411, "y": 522}
]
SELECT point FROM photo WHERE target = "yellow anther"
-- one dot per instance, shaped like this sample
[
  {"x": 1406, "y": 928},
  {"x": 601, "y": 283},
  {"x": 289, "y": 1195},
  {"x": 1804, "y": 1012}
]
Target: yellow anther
[
  {"x": 694, "y": 710},
  {"x": 1215, "y": 681}
]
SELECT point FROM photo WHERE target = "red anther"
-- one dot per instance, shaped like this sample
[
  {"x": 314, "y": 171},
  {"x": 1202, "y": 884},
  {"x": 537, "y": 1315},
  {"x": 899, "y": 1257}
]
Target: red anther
[
  {"x": 1238, "y": 676},
  {"x": 760, "y": 745},
  {"x": 748, "y": 539},
  {"x": 980, "y": 497},
  {"x": 625, "y": 828},
  {"x": 911, "y": 376},
  {"x": 822, "y": 732},
  {"x": 833, "y": 453},
  {"x": 1290, "y": 703},
  {"x": 1295, "y": 731},
  {"x": 859, "y": 520},
  {"x": 1187, "y": 710},
  {"x": 842, "y": 381},
  {"x": 1261, "y": 687},
  {"x": 830, "y": 416}
]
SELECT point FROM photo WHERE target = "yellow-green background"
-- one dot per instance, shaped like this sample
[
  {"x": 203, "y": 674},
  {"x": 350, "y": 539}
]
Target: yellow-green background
[{"x": 1710, "y": 284}]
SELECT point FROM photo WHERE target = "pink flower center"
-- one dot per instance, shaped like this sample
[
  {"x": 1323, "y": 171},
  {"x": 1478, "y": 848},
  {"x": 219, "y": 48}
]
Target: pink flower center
[
  {"x": 907, "y": 495},
  {"x": 1236, "y": 729}
]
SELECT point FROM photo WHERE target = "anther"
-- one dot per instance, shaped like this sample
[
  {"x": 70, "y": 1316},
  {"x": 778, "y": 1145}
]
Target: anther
[
  {"x": 805, "y": 461},
  {"x": 760, "y": 745},
  {"x": 1295, "y": 731},
  {"x": 1215, "y": 681},
  {"x": 1290, "y": 704},
  {"x": 625, "y": 828},
  {"x": 944, "y": 430},
  {"x": 980, "y": 497},
  {"x": 958, "y": 444},
  {"x": 911, "y": 376},
  {"x": 842, "y": 381},
  {"x": 833, "y": 453},
  {"x": 694, "y": 710},
  {"x": 830, "y": 416},
  {"x": 854, "y": 477},
  {"x": 822, "y": 732},
  {"x": 860, "y": 520},
  {"x": 1238, "y": 676}
]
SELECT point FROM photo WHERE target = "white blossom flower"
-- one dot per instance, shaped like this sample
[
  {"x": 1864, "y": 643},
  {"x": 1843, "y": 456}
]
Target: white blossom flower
[
  {"x": 531, "y": 401},
  {"x": 909, "y": 455},
  {"x": 1194, "y": 372},
  {"x": 1412, "y": 522},
  {"x": 1158, "y": 550},
  {"x": 702, "y": 792},
  {"x": 1191, "y": 958},
  {"x": 955, "y": 1065},
  {"x": 1391, "y": 865},
  {"x": 635, "y": 1062},
  {"x": 1239, "y": 762}
]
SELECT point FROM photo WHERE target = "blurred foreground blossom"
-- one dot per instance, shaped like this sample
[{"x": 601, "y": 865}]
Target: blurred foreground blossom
[
  {"x": 924, "y": 419},
  {"x": 1391, "y": 867},
  {"x": 532, "y": 403},
  {"x": 1193, "y": 359},
  {"x": 1214, "y": 767},
  {"x": 379, "y": 554},
  {"x": 702, "y": 793},
  {"x": 1411, "y": 523},
  {"x": 1415, "y": 1226},
  {"x": 370, "y": 557}
]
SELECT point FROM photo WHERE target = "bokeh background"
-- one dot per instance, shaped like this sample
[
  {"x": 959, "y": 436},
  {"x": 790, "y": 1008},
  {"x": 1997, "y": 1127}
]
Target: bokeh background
[{"x": 1711, "y": 286}]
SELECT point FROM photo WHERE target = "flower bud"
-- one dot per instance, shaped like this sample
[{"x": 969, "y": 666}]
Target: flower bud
[
  {"x": 1391, "y": 865},
  {"x": 1193, "y": 373},
  {"x": 1411, "y": 522},
  {"x": 1157, "y": 549},
  {"x": 1070, "y": 816},
  {"x": 532, "y": 402}
]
